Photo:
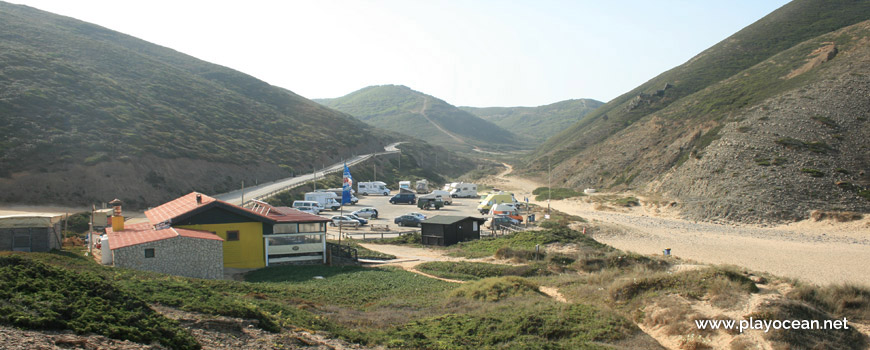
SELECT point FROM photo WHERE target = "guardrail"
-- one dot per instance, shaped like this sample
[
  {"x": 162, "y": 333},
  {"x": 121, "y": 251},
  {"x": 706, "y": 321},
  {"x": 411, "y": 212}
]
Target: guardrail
[{"x": 329, "y": 170}]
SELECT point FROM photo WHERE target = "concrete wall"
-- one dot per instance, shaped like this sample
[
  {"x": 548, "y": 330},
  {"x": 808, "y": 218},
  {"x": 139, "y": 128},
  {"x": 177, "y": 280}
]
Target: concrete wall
[{"x": 182, "y": 256}]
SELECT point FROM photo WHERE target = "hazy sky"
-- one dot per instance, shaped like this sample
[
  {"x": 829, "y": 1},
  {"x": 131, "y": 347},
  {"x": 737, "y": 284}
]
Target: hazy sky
[{"x": 467, "y": 52}]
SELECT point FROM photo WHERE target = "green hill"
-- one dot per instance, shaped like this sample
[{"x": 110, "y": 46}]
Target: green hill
[
  {"x": 538, "y": 123},
  {"x": 398, "y": 108},
  {"x": 706, "y": 131},
  {"x": 89, "y": 114}
]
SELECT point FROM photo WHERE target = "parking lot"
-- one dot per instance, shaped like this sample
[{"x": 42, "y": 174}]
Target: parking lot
[{"x": 387, "y": 212}]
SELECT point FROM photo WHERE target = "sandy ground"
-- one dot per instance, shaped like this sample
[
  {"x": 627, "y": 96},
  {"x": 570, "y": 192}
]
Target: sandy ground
[{"x": 817, "y": 252}]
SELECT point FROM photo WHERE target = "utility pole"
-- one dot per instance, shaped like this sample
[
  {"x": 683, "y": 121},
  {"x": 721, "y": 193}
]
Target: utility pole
[
  {"x": 243, "y": 193},
  {"x": 549, "y": 189}
]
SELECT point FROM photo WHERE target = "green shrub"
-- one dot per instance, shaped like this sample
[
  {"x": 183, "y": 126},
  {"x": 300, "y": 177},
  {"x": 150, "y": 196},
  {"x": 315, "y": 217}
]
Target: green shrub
[
  {"x": 496, "y": 288},
  {"x": 690, "y": 283},
  {"x": 37, "y": 296}
]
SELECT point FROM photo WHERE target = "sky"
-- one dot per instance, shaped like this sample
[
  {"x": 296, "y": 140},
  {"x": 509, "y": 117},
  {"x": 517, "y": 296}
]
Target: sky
[{"x": 467, "y": 52}]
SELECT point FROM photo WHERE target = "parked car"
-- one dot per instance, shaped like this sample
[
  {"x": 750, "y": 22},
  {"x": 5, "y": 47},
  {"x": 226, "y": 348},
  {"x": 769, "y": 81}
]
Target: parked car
[
  {"x": 309, "y": 210},
  {"x": 408, "y": 198},
  {"x": 311, "y": 206},
  {"x": 497, "y": 222},
  {"x": 418, "y": 215},
  {"x": 344, "y": 221},
  {"x": 368, "y": 213},
  {"x": 407, "y": 220},
  {"x": 357, "y": 218}
]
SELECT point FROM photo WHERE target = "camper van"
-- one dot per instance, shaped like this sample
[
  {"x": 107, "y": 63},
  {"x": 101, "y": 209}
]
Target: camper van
[
  {"x": 338, "y": 191},
  {"x": 445, "y": 196},
  {"x": 374, "y": 187},
  {"x": 464, "y": 190},
  {"x": 422, "y": 186},
  {"x": 404, "y": 185},
  {"x": 493, "y": 199},
  {"x": 326, "y": 199}
]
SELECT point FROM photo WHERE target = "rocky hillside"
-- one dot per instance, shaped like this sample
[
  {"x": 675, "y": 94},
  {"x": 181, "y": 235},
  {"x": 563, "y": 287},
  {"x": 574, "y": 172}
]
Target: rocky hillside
[
  {"x": 401, "y": 109},
  {"x": 89, "y": 114},
  {"x": 765, "y": 126},
  {"x": 538, "y": 123}
]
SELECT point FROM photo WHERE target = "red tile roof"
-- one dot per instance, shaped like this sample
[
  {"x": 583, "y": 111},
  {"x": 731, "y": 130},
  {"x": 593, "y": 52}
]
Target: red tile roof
[
  {"x": 288, "y": 214},
  {"x": 144, "y": 232},
  {"x": 176, "y": 207}
]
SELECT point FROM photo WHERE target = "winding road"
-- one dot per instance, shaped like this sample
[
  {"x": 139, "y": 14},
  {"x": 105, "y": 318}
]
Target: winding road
[{"x": 267, "y": 189}]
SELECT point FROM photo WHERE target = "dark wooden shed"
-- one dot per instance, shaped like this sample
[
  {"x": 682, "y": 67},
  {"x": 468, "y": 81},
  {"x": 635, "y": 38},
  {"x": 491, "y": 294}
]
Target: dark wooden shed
[{"x": 445, "y": 230}]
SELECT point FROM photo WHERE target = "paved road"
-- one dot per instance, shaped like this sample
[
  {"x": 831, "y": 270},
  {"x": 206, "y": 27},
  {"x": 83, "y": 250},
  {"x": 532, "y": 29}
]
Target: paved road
[{"x": 267, "y": 189}]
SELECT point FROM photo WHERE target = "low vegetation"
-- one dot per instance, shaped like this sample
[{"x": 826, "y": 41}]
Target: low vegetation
[
  {"x": 496, "y": 288},
  {"x": 544, "y": 193},
  {"x": 38, "y": 296},
  {"x": 469, "y": 271}
]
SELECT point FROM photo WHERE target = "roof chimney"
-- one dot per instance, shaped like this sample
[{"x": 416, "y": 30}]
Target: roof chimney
[
  {"x": 117, "y": 218},
  {"x": 198, "y": 199}
]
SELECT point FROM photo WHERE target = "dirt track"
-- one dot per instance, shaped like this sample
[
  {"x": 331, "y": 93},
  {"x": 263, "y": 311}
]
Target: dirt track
[{"x": 818, "y": 252}]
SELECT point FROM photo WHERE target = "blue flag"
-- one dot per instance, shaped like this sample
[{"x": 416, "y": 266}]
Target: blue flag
[{"x": 346, "y": 185}]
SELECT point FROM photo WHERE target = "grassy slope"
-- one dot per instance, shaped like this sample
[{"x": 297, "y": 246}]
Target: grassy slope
[
  {"x": 538, "y": 123},
  {"x": 397, "y": 108},
  {"x": 793, "y": 23},
  {"x": 72, "y": 92}
]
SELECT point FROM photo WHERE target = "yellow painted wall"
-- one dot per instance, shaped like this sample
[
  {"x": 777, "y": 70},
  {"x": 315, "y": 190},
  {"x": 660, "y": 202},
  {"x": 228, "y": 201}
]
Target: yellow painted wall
[{"x": 247, "y": 252}]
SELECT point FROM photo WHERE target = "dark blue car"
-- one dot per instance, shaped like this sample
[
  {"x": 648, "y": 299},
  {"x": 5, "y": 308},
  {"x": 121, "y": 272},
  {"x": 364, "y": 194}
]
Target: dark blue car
[{"x": 408, "y": 198}]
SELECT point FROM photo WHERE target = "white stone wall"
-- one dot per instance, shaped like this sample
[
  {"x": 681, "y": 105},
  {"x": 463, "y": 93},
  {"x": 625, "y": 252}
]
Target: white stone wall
[{"x": 182, "y": 256}]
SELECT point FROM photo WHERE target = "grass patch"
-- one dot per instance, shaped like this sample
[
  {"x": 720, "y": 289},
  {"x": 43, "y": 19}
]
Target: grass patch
[
  {"x": 521, "y": 241},
  {"x": 542, "y": 194},
  {"x": 468, "y": 271},
  {"x": 813, "y": 172},
  {"x": 795, "y": 144},
  {"x": 762, "y": 161},
  {"x": 529, "y": 326},
  {"x": 352, "y": 286}
]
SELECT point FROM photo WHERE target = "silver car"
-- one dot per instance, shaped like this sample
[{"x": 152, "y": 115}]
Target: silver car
[
  {"x": 344, "y": 221},
  {"x": 367, "y": 213}
]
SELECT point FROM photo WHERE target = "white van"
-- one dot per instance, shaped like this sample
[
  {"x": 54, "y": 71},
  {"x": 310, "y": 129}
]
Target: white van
[
  {"x": 326, "y": 199},
  {"x": 374, "y": 187},
  {"x": 464, "y": 190},
  {"x": 312, "y": 207}
]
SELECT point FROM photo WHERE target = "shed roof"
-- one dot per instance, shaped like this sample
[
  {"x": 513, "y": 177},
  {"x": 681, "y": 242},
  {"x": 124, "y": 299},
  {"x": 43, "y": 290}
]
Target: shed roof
[
  {"x": 144, "y": 232},
  {"x": 449, "y": 219},
  {"x": 29, "y": 220},
  {"x": 186, "y": 206}
]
